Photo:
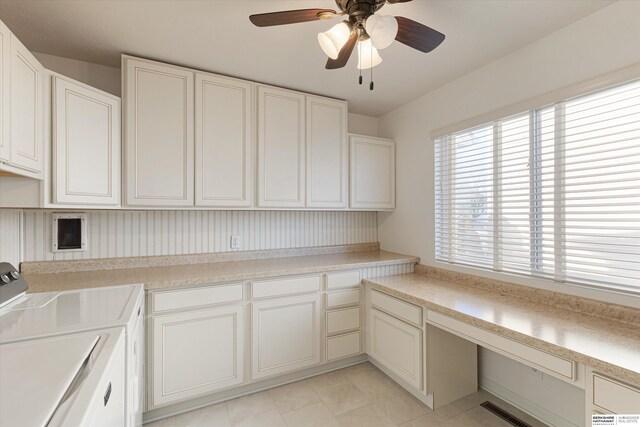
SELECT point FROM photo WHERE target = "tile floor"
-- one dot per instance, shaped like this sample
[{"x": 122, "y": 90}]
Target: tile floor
[{"x": 360, "y": 395}]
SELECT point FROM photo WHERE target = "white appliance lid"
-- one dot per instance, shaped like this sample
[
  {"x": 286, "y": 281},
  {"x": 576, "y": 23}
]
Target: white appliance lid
[
  {"x": 37, "y": 374},
  {"x": 69, "y": 312}
]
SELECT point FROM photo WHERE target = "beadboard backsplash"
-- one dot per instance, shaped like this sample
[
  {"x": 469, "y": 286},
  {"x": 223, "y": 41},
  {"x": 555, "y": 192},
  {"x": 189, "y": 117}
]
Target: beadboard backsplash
[
  {"x": 10, "y": 236},
  {"x": 147, "y": 233}
]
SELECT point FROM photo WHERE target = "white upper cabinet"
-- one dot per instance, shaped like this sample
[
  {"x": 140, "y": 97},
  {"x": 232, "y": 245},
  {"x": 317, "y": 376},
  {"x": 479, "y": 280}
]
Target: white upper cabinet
[
  {"x": 5, "y": 84},
  {"x": 373, "y": 174},
  {"x": 22, "y": 143},
  {"x": 223, "y": 131},
  {"x": 327, "y": 154},
  {"x": 85, "y": 146},
  {"x": 281, "y": 148},
  {"x": 159, "y": 142}
]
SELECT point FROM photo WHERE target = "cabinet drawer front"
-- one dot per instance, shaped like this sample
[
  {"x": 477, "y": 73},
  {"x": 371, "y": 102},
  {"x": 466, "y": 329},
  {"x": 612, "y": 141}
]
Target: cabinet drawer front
[
  {"x": 397, "y": 345},
  {"x": 343, "y": 280},
  {"x": 196, "y": 297},
  {"x": 343, "y": 298},
  {"x": 278, "y": 287},
  {"x": 343, "y": 320},
  {"x": 614, "y": 396},
  {"x": 343, "y": 346},
  {"x": 547, "y": 362},
  {"x": 399, "y": 308}
]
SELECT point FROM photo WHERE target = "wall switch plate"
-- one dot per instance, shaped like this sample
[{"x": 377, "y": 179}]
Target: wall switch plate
[{"x": 234, "y": 242}]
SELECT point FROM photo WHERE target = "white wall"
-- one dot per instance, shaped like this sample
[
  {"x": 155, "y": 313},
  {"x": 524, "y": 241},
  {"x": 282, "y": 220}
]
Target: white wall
[
  {"x": 108, "y": 79},
  {"x": 365, "y": 125},
  {"x": 603, "y": 42},
  {"x": 99, "y": 76},
  {"x": 519, "y": 384}
]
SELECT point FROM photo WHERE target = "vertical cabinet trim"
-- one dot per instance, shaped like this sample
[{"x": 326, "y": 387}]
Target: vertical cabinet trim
[
  {"x": 209, "y": 136},
  {"x": 327, "y": 152},
  {"x": 270, "y": 164},
  {"x": 132, "y": 82}
]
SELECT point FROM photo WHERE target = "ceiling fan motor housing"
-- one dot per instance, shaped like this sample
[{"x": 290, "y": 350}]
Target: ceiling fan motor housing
[{"x": 359, "y": 10}]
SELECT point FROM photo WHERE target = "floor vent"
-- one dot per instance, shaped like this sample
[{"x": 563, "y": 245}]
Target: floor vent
[{"x": 498, "y": 411}]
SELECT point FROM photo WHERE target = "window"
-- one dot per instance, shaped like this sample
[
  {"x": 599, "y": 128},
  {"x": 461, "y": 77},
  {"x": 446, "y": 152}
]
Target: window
[{"x": 553, "y": 192}]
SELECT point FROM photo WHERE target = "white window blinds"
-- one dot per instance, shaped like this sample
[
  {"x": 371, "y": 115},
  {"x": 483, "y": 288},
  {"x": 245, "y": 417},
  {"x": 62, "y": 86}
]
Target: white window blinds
[{"x": 553, "y": 192}]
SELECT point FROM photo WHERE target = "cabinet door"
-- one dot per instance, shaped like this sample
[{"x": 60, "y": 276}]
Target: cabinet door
[
  {"x": 286, "y": 335},
  {"x": 281, "y": 161},
  {"x": 223, "y": 141},
  {"x": 396, "y": 345},
  {"x": 195, "y": 353},
  {"x": 159, "y": 134},
  {"x": 27, "y": 143},
  {"x": 5, "y": 87},
  {"x": 86, "y": 145},
  {"x": 326, "y": 153},
  {"x": 373, "y": 175}
]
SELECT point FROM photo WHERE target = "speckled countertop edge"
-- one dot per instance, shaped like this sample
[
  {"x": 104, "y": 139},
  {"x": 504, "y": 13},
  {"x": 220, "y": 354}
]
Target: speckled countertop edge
[
  {"x": 175, "y": 277},
  {"x": 603, "y": 366}
]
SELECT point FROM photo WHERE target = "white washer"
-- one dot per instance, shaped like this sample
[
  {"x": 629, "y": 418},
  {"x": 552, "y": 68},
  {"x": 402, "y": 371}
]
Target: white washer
[
  {"x": 75, "y": 380},
  {"x": 51, "y": 314}
]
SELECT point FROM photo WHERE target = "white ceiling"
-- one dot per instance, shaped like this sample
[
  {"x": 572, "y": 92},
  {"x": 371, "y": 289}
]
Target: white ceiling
[{"x": 217, "y": 36}]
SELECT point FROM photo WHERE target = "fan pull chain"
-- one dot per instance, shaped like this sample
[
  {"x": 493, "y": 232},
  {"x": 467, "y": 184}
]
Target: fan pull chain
[
  {"x": 360, "y": 62},
  {"x": 371, "y": 64}
]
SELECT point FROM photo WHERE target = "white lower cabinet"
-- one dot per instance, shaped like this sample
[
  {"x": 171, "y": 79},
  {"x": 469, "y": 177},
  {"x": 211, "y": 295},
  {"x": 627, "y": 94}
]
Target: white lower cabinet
[
  {"x": 609, "y": 395},
  {"x": 196, "y": 353},
  {"x": 342, "y": 346},
  {"x": 396, "y": 345},
  {"x": 285, "y": 335}
]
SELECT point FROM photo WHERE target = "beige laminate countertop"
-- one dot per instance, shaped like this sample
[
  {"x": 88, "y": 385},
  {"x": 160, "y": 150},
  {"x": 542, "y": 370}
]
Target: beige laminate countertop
[
  {"x": 198, "y": 274},
  {"x": 611, "y": 347}
]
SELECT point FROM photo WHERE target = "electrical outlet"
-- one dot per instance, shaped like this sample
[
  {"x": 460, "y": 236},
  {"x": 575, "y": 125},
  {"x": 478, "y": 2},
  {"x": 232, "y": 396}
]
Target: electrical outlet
[
  {"x": 234, "y": 242},
  {"x": 536, "y": 373}
]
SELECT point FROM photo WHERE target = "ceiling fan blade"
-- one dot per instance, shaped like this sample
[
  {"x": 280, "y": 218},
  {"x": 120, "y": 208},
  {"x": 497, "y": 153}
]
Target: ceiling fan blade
[
  {"x": 344, "y": 54},
  {"x": 418, "y": 36},
  {"x": 397, "y": 1},
  {"x": 290, "y": 17}
]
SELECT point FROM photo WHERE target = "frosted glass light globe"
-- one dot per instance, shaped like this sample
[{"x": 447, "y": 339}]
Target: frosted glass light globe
[
  {"x": 382, "y": 30},
  {"x": 368, "y": 56},
  {"x": 332, "y": 40}
]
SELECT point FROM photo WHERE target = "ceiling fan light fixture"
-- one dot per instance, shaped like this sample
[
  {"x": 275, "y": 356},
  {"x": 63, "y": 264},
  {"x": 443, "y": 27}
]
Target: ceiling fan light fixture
[
  {"x": 332, "y": 40},
  {"x": 368, "y": 56},
  {"x": 382, "y": 30}
]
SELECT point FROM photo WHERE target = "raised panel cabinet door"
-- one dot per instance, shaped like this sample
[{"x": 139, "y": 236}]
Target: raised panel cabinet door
[
  {"x": 196, "y": 353},
  {"x": 326, "y": 153},
  {"x": 223, "y": 141},
  {"x": 285, "y": 335},
  {"x": 373, "y": 175},
  {"x": 27, "y": 143},
  {"x": 159, "y": 118},
  {"x": 5, "y": 87},
  {"x": 86, "y": 145},
  {"x": 396, "y": 345},
  {"x": 281, "y": 148}
]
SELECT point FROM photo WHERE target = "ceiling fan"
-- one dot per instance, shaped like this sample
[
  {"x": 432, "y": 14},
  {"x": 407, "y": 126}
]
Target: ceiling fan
[{"x": 363, "y": 27}]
